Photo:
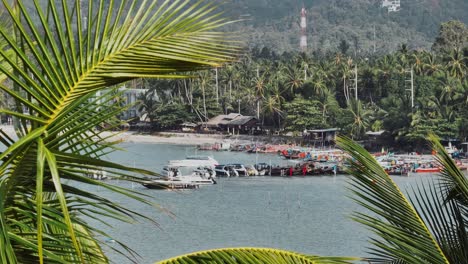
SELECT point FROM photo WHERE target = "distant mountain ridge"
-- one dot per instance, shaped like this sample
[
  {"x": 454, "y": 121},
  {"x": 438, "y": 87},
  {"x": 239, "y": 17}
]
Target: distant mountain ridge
[{"x": 275, "y": 23}]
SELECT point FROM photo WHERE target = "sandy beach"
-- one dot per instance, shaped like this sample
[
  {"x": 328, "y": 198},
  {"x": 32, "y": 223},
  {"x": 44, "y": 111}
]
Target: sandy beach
[
  {"x": 160, "y": 138},
  {"x": 174, "y": 138}
]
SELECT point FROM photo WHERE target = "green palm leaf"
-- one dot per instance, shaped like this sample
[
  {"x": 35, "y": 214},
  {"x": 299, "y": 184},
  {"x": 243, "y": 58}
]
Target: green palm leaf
[
  {"x": 402, "y": 235},
  {"x": 254, "y": 255},
  {"x": 56, "y": 66}
]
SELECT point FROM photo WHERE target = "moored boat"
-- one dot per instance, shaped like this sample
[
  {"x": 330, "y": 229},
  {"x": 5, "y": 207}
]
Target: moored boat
[
  {"x": 195, "y": 161},
  {"x": 428, "y": 170},
  {"x": 169, "y": 184}
]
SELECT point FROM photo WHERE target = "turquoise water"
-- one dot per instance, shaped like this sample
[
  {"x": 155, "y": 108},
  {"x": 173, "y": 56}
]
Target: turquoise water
[{"x": 309, "y": 215}]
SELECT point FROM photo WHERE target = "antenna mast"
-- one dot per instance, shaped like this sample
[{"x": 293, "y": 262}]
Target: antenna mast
[{"x": 303, "y": 42}]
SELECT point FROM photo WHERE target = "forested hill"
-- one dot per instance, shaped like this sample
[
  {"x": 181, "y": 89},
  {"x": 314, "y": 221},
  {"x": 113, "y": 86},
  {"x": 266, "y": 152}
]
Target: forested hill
[{"x": 275, "y": 23}]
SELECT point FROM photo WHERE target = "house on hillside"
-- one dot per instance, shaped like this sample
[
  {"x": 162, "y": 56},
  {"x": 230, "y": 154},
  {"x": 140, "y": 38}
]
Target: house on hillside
[
  {"x": 232, "y": 123},
  {"x": 391, "y": 5}
]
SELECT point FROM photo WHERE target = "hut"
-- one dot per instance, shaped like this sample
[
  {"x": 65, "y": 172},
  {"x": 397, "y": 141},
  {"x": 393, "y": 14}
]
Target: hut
[
  {"x": 320, "y": 137},
  {"x": 231, "y": 123}
]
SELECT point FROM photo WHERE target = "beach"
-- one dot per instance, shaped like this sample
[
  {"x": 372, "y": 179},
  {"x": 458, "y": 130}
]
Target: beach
[
  {"x": 174, "y": 138},
  {"x": 161, "y": 138}
]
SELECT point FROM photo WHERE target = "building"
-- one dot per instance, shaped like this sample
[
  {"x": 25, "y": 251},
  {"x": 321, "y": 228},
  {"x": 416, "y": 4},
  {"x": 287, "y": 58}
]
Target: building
[
  {"x": 130, "y": 97},
  {"x": 391, "y": 5},
  {"x": 232, "y": 123},
  {"x": 320, "y": 137}
]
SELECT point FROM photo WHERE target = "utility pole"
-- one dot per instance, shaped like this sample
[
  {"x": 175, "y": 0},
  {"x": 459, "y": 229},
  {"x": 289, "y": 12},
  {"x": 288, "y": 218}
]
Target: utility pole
[
  {"x": 305, "y": 71},
  {"x": 355, "y": 80},
  {"x": 412, "y": 86},
  {"x": 258, "y": 98},
  {"x": 217, "y": 88},
  {"x": 374, "y": 40}
]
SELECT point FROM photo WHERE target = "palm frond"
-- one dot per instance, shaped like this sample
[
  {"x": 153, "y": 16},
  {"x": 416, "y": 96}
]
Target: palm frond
[
  {"x": 402, "y": 233},
  {"x": 56, "y": 67},
  {"x": 254, "y": 255}
]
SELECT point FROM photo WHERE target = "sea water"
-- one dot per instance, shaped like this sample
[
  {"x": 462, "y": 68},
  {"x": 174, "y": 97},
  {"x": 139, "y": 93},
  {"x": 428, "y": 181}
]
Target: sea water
[{"x": 304, "y": 214}]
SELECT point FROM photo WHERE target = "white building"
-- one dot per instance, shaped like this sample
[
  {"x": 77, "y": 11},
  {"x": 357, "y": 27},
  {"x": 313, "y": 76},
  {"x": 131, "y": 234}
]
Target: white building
[{"x": 391, "y": 5}]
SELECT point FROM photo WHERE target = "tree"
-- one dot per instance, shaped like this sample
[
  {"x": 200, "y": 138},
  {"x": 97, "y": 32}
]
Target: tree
[
  {"x": 303, "y": 114},
  {"x": 427, "y": 226},
  {"x": 148, "y": 104},
  {"x": 361, "y": 120},
  {"x": 343, "y": 47},
  {"x": 61, "y": 62},
  {"x": 453, "y": 35},
  {"x": 170, "y": 115}
]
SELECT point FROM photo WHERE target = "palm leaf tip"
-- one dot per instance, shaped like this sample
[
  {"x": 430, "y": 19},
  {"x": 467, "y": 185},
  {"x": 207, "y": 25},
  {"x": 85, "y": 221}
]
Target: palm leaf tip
[{"x": 254, "y": 255}]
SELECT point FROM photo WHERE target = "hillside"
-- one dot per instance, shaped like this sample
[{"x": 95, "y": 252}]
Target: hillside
[{"x": 275, "y": 23}]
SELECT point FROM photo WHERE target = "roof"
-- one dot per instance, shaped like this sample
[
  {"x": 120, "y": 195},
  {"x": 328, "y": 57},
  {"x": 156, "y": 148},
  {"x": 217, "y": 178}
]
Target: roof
[
  {"x": 323, "y": 130},
  {"x": 231, "y": 119},
  {"x": 222, "y": 119},
  {"x": 241, "y": 120},
  {"x": 376, "y": 133}
]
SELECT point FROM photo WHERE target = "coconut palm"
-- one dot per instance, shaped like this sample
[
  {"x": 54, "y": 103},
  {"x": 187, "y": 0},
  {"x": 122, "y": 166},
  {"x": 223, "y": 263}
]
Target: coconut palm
[
  {"x": 360, "y": 116},
  {"x": 455, "y": 64},
  {"x": 61, "y": 62},
  {"x": 428, "y": 225}
]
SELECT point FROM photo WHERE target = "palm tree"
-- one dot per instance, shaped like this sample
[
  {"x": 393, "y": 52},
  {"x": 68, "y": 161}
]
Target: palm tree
[
  {"x": 68, "y": 60},
  {"x": 431, "y": 65},
  {"x": 360, "y": 118},
  {"x": 455, "y": 64},
  {"x": 427, "y": 226},
  {"x": 147, "y": 104}
]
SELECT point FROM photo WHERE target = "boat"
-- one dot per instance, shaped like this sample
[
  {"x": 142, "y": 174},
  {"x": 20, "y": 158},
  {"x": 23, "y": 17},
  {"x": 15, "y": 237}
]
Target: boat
[
  {"x": 97, "y": 174},
  {"x": 239, "y": 168},
  {"x": 197, "y": 175},
  {"x": 293, "y": 154},
  {"x": 397, "y": 170},
  {"x": 169, "y": 184},
  {"x": 205, "y": 146},
  {"x": 226, "y": 171},
  {"x": 223, "y": 146},
  {"x": 428, "y": 170},
  {"x": 194, "y": 161}
]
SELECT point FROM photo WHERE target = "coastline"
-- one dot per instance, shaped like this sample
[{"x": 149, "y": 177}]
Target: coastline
[
  {"x": 172, "y": 138},
  {"x": 160, "y": 138}
]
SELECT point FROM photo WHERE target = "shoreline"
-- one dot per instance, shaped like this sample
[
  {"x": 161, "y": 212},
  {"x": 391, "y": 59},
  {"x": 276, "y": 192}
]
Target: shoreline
[
  {"x": 160, "y": 138},
  {"x": 172, "y": 138}
]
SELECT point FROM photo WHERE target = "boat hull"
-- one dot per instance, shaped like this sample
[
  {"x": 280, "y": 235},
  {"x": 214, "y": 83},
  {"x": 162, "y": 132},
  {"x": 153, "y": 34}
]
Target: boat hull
[{"x": 162, "y": 185}]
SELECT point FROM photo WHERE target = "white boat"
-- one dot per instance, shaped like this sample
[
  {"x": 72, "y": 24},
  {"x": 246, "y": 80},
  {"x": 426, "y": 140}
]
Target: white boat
[
  {"x": 169, "y": 184},
  {"x": 97, "y": 174},
  {"x": 194, "y": 161},
  {"x": 198, "y": 175}
]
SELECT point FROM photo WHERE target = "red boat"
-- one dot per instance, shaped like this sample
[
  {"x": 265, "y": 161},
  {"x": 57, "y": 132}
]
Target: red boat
[{"x": 428, "y": 170}]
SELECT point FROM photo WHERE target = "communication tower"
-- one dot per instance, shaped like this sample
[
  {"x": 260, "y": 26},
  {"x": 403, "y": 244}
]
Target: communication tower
[{"x": 303, "y": 42}]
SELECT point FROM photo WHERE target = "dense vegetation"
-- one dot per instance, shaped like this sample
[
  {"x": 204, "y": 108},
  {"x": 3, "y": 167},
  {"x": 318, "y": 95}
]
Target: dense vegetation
[
  {"x": 275, "y": 23},
  {"x": 297, "y": 91}
]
